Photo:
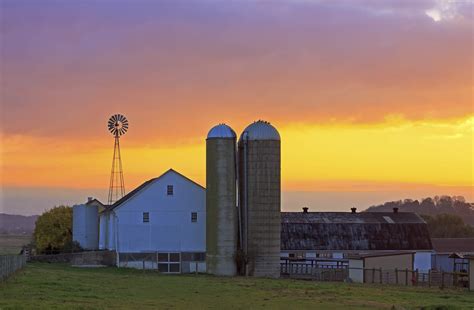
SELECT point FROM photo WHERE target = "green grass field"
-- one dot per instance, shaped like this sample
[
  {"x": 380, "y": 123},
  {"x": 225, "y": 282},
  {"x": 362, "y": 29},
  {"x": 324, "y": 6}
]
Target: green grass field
[
  {"x": 60, "y": 286},
  {"x": 11, "y": 244}
]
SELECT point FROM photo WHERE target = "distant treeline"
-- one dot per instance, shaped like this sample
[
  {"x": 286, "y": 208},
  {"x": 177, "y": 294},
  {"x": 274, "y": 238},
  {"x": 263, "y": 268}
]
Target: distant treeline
[
  {"x": 456, "y": 205},
  {"x": 446, "y": 216},
  {"x": 448, "y": 226}
]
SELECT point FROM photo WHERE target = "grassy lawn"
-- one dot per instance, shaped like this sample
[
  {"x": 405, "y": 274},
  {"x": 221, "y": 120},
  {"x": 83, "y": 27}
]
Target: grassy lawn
[
  {"x": 60, "y": 286},
  {"x": 11, "y": 244}
]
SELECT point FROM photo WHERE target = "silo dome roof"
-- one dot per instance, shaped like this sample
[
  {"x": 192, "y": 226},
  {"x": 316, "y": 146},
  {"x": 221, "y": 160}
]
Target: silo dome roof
[
  {"x": 221, "y": 131},
  {"x": 261, "y": 130}
]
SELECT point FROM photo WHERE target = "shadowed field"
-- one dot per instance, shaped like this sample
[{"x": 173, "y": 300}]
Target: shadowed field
[
  {"x": 55, "y": 285},
  {"x": 11, "y": 244}
]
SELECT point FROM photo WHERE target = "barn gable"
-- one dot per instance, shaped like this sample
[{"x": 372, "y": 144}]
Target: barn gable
[
  {"x": 171, "y": 176},
  {"x": 164, "y": 214}
]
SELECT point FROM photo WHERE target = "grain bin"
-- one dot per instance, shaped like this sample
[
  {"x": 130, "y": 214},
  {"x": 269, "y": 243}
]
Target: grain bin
[
  {"x": 85, "y": 225},
  {"x": 221, "y": 207},
  {"x": 259, "y": 199}
]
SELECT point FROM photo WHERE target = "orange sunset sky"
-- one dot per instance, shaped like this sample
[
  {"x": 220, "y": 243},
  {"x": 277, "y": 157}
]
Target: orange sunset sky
[{"x": 373, "y": 99}]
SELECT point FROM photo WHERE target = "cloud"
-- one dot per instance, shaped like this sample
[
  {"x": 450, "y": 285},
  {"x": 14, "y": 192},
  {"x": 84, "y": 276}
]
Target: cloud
[
  {"x": 446, "y": 10},
  {"x": 187, "y": 65}
]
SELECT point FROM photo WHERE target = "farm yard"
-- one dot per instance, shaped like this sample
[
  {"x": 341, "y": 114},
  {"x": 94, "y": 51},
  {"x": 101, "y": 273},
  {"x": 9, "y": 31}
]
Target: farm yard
[{"x": 42, "y": 285}]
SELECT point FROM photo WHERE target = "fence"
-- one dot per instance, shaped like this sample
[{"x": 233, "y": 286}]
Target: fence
[
  {"x": 316, "y": 272},
  {"x": 432, "y": 278},
  {"x": 9, "y": 264}
]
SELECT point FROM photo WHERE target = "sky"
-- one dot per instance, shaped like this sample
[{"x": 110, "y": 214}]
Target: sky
[{"x": 373, "y": 99}]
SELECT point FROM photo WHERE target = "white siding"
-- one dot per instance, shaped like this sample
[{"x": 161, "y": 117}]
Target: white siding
[
  {"x": 356, "y": 270},
  {"x": 110, "y": 232},
  {"x": 102, "y": 231},
  {"x": 170, "y": 228}
]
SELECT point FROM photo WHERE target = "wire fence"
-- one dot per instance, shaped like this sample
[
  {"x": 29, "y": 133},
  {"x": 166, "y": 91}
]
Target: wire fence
[
  {"x": 9, "y": 264},
  {"x": 406, "y": 277}
]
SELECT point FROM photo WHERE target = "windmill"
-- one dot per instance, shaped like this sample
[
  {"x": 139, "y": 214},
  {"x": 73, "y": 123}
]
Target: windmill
[{"x": 118, "y": 126}]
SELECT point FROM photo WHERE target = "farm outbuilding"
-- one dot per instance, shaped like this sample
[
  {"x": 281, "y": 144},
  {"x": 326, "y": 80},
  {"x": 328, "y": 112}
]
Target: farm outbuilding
[
  {"x": 393, "y": 268},
  {"x": 449, "y": 253},
  {"x": 334, "y": 236}
]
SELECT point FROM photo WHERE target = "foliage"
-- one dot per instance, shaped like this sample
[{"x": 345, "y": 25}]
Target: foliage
[
  {"x": 47, "y": 286},
  {"x": 53, "y": 230},
  {"x": 455, "y": 205},
  {"x": 448, "y": 226}
]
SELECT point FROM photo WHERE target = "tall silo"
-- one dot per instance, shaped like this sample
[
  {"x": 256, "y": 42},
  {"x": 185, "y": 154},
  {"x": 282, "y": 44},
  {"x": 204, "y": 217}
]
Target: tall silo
[
  {"x": 259, "y": 198},
  {"x": 221, "y": 206}
]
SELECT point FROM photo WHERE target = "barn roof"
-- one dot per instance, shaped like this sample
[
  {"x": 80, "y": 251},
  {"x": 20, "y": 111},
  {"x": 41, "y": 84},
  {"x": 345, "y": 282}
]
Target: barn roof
[
  {"x": 144, "y": 185},
  {"x": 342, "y": 231}
]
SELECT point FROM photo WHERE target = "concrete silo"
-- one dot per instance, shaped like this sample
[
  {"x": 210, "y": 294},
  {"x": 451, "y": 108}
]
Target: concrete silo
[
  {"x": 259, "y": 198},
  {"x": 85, "y": 225},
  {"x": 221, "y": 206}
]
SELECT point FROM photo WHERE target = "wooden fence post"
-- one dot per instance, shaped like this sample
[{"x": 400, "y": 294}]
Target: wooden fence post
[
  {"x": 373, "y": 274},
  {"x": 429, "y": 278},
  {"x": 381, "y": 277},
  {"x": 396, "y": 276},
  {"x": 442, "y": 279},
  {"x": 406, "y": 277}
]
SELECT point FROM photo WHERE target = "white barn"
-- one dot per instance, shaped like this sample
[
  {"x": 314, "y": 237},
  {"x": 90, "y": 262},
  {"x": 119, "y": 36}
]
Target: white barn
[{"x": 160, "y": 224}]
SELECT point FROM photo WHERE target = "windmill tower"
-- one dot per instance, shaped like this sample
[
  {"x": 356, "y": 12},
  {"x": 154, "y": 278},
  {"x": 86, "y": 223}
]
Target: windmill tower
[{"x": 118, "y": 126}]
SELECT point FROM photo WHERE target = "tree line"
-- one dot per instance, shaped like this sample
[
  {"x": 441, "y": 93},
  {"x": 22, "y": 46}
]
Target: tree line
[{"x": 446, "y": 216}]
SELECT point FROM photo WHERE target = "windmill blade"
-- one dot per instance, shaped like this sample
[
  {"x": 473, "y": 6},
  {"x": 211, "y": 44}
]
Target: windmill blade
[{"x": 117, "y": 124}]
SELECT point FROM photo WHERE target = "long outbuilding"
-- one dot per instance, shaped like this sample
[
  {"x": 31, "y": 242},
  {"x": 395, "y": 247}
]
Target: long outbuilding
[{"x": 327, "y": 236}]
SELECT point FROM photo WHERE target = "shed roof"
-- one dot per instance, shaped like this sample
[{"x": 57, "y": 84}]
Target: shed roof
[
  {"x": 342, "y": 231},
  {"x": 453, "y": 245}
]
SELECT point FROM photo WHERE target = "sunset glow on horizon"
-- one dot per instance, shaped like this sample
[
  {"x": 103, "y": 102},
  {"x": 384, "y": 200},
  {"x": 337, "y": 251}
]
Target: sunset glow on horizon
[{"x": 367, "y": 96}]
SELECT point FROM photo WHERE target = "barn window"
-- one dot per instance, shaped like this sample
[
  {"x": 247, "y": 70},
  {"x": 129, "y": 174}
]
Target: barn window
[
  {"x": 169, "y": 262},
  {"x": 169, "y": 190},
  {"x": 146, "y": 217},
  {"x": 194, "y": 217}
]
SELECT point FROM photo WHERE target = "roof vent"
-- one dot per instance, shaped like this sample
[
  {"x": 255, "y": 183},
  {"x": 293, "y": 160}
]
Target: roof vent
[
  {"x": 89, "y": 199},
  {"x": 305, "y": 209},
  {"x": 353, "y": 210},
  {"x": 395, "y": 210}
]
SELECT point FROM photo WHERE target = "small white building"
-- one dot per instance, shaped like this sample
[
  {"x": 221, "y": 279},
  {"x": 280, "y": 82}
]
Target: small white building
[{"x": 161, "y": 225}]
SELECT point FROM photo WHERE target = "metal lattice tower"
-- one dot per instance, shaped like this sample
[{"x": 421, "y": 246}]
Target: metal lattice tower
[{"x": 118, "y": 126}]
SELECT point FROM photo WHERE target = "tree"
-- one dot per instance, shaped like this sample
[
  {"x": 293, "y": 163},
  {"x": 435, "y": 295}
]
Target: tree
[
  {"x": 53, "y": 230},
  {"x": 448, "y": 226}
]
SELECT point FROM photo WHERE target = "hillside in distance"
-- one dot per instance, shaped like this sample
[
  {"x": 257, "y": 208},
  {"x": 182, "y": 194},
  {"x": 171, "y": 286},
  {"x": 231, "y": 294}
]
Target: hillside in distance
[
  {"x": 455, "y": 205},
  {"x": 17, "y": 224}
]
